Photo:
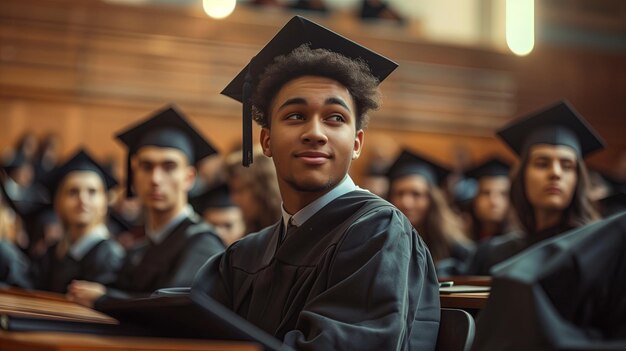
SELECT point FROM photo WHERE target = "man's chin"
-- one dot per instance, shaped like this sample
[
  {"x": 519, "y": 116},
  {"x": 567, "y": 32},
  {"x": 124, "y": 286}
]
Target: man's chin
[{"x": 312, "y": 185}]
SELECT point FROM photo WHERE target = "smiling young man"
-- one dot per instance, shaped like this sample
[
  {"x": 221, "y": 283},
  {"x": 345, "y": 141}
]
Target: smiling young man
[
  {"x": 162, "y": 151},
  {"x": 343, "y": 269}
]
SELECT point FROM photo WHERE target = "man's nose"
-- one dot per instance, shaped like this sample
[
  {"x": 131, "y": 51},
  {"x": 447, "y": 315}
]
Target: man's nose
[{"x": 314, "y": 132}]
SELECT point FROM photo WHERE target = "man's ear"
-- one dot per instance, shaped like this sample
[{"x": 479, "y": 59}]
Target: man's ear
[
  {"x": 266, "y": 142},
  {"x": 358, "y": 144},
  {"x": 190, "y": 177}
]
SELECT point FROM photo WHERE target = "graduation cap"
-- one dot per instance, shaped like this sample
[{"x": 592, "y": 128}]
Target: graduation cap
[
  {"x": 80, "y": 161},
  {"x": 615, "y": 200},
  {"x": 566, "y": 293},
  {"x": 296, "y": 32},
  {"x": 409, "y": 163},
  {"x": 34, "y": 208},
  {"x": 32, "y": 200},
  {"x": 166, "y": 128},
  {"x": 492, "y": 167},
  {"x": 14, "y": 160},
  {"x": 216, "y": 197},
  {"x": 557, "y": 124}
]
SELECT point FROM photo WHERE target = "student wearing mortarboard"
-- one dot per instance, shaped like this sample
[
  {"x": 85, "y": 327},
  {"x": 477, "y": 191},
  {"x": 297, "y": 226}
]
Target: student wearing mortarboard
[
  {"x": 161, "y": 153},
  {"x": 490, "y": 210},
  {"x": 14, "y": 265},
  {"x": 254, "y": 189},
  {"x": 549, "y": 185},
  {"x": 78, "y": 190},
  {"x": 567, "y": 292},
  {"x": 342, "y": 269},
  {"x": 414, "y": 189},
  {"x": 217, "y": 209},
  {"x": 35, "y": 224}
]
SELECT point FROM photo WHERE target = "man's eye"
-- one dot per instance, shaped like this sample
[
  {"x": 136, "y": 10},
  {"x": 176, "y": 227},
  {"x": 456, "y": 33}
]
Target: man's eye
[
  {"x": 336, "y": 118},
  {"x": 295, "y": 116},
  {"x": 145, "y": 166},
  {"x": 170, "y": 166}
]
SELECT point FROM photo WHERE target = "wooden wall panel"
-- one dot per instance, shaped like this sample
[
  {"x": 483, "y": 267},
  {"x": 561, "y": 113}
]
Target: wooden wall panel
[{"x": 85, "y": 69}]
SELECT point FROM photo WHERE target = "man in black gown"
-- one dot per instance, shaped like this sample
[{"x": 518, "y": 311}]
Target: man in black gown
[
  {"x": 162, "y": 150},
  {"x": 343, "y": 269}
]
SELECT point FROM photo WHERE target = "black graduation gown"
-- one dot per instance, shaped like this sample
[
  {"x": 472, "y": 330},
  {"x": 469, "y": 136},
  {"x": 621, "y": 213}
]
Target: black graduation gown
[
  {"x": 14, "y": 266},
  {"x": 355, "y": 276},
  {"x": 100, "y": 264},
  {"x": 500, "y": 248},
  {"x": 566, "y": 293},
  {"x": 460, "y": 256},
  {"x": 171, "y": 263}
]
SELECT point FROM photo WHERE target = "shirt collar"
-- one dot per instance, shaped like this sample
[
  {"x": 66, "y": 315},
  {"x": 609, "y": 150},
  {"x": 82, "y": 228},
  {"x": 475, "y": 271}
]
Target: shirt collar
[
  {"x": 157, "y": 236},
  {"x": 79, "y": 249},
  {"x": 344, "y": 187}
]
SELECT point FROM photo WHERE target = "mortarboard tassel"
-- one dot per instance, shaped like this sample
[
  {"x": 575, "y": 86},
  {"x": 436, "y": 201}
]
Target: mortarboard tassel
[
  {"x": 247, "y": 158},
  {"x": 129, "y": 178}
]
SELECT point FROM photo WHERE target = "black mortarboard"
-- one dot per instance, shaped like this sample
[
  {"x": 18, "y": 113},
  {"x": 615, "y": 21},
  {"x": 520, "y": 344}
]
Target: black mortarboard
[
  {"x": 409, "y": 163},
  {"x": 492, "y": 167},
  {"x": 34, "y": 208},
  {"x": 557, "y": 124},
  {"x": 216, "y": 197},
  {"x": 296, "y": 32},
  {"x": 14, "y": 160},
  {"x": 615, "y": 199},
  {"x": 565, "y": 293},
  {"x": 81, "y": 161},
  {"x": 166, "y": 128},
  {"x": 613, "y": 203},
  {"x": 33, "y": 199}
]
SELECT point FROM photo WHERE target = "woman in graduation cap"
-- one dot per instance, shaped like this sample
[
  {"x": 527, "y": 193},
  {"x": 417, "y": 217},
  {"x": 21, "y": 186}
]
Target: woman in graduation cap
[
  {"x": 78, "y": 190},
  {"x": 489, "y": 209},
  {"x": 549, "y": 187},
  {"x": 413, "y": 188}
]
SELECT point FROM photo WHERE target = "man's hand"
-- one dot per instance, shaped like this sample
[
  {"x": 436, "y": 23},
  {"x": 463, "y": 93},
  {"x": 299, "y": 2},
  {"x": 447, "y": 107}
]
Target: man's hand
[{"x": 84, "y": 292}]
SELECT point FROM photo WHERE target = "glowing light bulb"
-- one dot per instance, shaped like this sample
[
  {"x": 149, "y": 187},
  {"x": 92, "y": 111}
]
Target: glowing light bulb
[
  {"x": 520, "y": 26},
  {"x": 219, "y": 9}
]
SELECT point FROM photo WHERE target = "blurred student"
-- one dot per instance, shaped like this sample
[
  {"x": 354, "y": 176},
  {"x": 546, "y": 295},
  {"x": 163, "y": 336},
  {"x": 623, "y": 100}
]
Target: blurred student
[
  {"x": 162, "y": 151},
  {"x": 490, "y": 209},
  {"x": 78, "y": 189},
  {"x": 413, "y": 188},
  {"x": 254, "y": 190},
  {"x": 549, "y": 187},
  {"x": 217, "y": 208}
]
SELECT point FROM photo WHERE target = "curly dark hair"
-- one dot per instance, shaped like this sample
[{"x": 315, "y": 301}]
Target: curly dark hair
[{"x": 354, "y": 74}]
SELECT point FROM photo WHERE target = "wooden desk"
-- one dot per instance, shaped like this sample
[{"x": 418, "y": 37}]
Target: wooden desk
[
  {"x": 44, "y": 305},
  {"x": 41, "y": 304},
  {"x": 464, "y": 300},
  {"x": 479, "y": 280},
  {"x": 40, "y": 341}
]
